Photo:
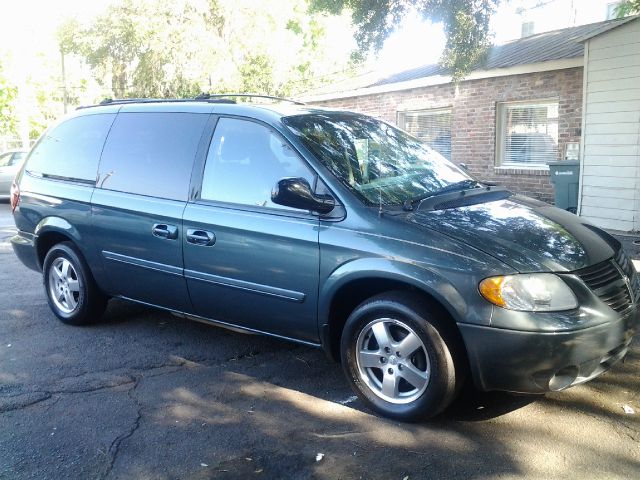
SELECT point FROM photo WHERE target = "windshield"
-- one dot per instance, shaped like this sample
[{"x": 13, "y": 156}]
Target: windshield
[{"x": 380, "y": 163}]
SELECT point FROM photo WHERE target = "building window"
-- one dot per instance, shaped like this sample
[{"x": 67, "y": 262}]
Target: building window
[
  {"x": 431, "y": 126},
  {"x": 527, "y": 29},
  {"x": 527, "y": 134}
]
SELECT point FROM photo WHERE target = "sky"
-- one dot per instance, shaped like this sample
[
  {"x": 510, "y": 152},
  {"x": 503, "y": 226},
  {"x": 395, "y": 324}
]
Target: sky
[
  {"x": 29, "y": 26},
  {"x": 401, "y": 51}
]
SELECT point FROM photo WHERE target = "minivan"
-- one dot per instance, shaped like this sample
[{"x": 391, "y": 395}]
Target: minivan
[{"x": 328, "y": 228}]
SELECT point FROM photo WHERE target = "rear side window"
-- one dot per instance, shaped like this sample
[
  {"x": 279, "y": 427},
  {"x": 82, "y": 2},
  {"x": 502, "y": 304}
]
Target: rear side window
[
  {"x": 71, "y": 151},
  {"x": 151, "y": 153}
]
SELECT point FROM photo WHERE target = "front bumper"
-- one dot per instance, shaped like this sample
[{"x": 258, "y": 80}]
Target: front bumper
[{"x": 538, "y": 362}]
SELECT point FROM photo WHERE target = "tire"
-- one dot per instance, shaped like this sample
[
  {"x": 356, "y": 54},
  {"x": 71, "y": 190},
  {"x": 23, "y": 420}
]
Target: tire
[
  {"x": 72, "y": 293},
  {"x": 408, "y": 381}
]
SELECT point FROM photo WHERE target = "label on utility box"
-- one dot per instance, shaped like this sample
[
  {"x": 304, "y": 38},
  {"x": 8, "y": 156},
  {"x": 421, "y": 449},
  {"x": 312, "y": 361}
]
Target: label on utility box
[{"x": 566, "y": 172}]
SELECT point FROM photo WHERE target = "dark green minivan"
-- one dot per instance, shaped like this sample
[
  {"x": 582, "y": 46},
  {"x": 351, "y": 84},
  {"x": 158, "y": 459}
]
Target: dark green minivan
[{"x": 328, "y": 228}]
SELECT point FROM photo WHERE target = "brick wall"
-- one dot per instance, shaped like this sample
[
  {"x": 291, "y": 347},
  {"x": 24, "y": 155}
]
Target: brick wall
[{"x": 473, "y": 128}]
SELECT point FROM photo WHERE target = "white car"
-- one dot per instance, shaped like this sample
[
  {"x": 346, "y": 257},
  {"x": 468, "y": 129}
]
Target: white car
[{"x": 9, "y": 165}]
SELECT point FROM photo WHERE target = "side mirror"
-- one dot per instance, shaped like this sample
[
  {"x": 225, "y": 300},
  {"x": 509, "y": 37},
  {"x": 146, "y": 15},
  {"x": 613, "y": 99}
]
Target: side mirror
[{"x": 296, "y": 193}]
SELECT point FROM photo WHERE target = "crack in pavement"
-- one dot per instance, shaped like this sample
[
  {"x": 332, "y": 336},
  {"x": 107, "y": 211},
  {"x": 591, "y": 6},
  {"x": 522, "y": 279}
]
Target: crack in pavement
[
  {"x": 17, "y": 402},
  {"x": 114, "y": 448},
  {"x": 131, "y": 379},
  {"x": 93, "y": 381},
  {"x": 96, "y": 382}
]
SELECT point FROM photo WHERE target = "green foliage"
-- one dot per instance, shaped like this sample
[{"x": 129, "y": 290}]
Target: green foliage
[
  {"x": 45, "y": 106},
  {"x": 627, "y": 7},
  {"x": 257, "y": 75},
  {"x": 8, "y": 94},
  {"x": 65, "y": 35},
  {"x": 167, "y": 48},
  {"x": 132, "y": 47},
  {"x": 466, "y": 24}
]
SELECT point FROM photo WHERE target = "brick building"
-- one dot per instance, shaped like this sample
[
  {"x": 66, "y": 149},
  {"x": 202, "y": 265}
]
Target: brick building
[{"x": 505, "y": 121}]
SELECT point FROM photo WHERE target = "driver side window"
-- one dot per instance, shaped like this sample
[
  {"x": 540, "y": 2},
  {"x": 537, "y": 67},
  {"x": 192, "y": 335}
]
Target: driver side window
[{"x": 244, "y": 163}]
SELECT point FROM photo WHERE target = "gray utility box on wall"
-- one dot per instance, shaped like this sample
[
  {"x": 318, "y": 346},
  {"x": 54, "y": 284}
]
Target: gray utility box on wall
[{"x": 565, "y": 176}]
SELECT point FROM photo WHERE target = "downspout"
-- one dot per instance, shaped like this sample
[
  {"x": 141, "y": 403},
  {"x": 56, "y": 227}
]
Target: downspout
[{"x": 583, "y": 127}]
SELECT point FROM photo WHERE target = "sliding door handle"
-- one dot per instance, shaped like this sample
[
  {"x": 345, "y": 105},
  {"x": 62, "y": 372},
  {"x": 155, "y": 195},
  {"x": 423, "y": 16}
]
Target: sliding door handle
[{"x": 200, "y": 237}]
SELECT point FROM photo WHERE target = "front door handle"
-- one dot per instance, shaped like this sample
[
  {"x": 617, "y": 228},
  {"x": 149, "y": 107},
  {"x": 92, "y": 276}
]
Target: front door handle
[
  {"x": 168, "y": 232},
  {"x": 200, "y": 237}
]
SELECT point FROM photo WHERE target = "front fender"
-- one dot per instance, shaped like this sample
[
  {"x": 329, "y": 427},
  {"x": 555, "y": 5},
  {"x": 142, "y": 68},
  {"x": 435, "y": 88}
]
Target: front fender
[{"x": 423, "y": 279}]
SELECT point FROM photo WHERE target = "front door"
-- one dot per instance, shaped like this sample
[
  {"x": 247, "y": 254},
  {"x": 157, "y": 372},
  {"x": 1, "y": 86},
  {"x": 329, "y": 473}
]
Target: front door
[{"x": 248, "y": 261}]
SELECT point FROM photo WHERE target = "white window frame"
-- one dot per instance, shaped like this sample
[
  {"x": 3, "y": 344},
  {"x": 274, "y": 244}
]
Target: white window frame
[
  {"x": 501, "y": 121},
  {"x": 401, "y": 118},
  {"x": 611, "y": 10}
]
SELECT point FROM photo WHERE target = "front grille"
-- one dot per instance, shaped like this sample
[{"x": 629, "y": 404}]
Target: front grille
[
  {"x": 606, "y": 281},
  {"x": 599, "y": 275},
  {"x": 624, "y": 262}
]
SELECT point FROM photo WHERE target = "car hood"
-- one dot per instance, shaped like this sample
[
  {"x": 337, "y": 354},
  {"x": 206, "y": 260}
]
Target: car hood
[{"x": 526, "y": 234}]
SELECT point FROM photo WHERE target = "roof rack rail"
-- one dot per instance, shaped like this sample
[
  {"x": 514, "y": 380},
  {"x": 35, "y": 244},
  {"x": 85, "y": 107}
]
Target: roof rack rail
[
  {"x": 203, "y": 97},
  {"x": 216, "y": 96},
  {"x": 120, "y": 101}
]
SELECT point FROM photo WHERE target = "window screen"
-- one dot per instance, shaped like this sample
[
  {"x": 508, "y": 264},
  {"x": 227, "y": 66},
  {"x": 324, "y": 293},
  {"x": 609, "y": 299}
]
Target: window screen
[
  {"x": 432, "y": 126},
  {"x": 72, "y": 149},
  {"x": 529, "y": 133},
  {"x": 151, "y": 153},
  {"x": 245, "y": 162}
]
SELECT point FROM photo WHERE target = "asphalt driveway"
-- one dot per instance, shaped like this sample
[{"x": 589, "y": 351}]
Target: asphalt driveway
[{"x": 147, "y": 395}]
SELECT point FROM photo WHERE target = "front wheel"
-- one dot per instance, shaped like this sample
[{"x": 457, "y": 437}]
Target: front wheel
[
  {"x": 396, "y": 358},
  {"x": 71, "y": 291}
]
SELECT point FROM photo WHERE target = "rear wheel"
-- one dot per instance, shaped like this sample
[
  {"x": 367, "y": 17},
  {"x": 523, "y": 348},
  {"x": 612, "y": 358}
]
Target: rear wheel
[
  {"x": 400, "y": 357},
  {"x": 71, "y": 291}
]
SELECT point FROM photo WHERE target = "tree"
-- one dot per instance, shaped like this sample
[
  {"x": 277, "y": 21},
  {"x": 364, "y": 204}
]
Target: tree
[
  {"x": 466, "y": 25},
  {"x": 139, "y": 48},
  {"x": 8, "y": 94},
  {"x": 627, "y": 7},
  {"x": 177, "y": 48}
]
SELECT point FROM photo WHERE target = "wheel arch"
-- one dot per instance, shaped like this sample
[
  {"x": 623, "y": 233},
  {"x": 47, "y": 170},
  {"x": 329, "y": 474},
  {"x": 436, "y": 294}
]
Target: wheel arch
[
  {"x": 51, "y": 231},
  {"x": 359, "y": 280}
]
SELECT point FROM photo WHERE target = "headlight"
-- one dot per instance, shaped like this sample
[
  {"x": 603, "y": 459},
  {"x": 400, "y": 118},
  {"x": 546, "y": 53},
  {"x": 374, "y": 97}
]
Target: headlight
[{"x": 536, "y": 292}]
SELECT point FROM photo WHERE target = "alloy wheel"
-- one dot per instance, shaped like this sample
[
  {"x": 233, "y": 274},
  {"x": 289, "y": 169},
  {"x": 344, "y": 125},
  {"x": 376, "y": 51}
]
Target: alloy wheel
[
  {"x": 64, "y": 285},
  {"x": 393, "y": 361}
]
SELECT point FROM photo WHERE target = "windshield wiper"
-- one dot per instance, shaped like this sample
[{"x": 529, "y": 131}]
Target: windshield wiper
[{"x": 407, "y": 205}]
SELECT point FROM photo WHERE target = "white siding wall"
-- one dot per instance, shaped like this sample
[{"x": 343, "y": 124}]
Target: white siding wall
[{"x": 610, "y": 188}]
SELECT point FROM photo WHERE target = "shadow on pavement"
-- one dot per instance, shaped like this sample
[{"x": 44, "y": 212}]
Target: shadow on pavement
[{"x": 475, "y": 406}]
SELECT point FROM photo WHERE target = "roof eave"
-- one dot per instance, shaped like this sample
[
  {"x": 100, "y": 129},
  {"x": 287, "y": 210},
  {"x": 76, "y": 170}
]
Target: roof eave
[
  {"x": 606, "y": 28},
  {"x": 445, "y": 79}
]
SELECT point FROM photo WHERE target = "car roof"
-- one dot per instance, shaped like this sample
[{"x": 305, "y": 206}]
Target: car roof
[
  {"x": 14, "y": 150},
  {"x": 268, "y": 112}
]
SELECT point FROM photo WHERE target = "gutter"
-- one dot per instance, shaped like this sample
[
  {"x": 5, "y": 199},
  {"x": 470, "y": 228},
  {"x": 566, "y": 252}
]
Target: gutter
[{"x": 446, "y": 79}]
